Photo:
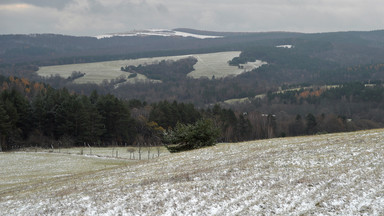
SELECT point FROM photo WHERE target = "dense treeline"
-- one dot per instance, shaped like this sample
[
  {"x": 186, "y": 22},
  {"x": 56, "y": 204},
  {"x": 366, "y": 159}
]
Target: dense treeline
[
  {"x": 34, "y": 114},
  {"x": 57, "y": 115},
  {"x": 198, "y": 91},
  {"x": 336, "y": 108},
  {"x": 358, "y": 92}
]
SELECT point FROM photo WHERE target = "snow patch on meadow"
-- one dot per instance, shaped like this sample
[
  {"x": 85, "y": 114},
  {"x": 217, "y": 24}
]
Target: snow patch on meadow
[{"x": 334, "y": 174}]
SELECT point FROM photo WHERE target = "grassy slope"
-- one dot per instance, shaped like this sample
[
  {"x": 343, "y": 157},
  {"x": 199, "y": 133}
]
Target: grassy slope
[{"x": 335, "y": 174}]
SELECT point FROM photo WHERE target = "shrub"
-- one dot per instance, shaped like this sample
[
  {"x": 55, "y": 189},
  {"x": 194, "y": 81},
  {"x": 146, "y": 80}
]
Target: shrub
[{"x": 191, "y": 136}]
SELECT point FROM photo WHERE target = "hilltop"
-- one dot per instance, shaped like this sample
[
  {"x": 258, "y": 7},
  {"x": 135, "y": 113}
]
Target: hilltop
[{"x": 335, "y": 174}]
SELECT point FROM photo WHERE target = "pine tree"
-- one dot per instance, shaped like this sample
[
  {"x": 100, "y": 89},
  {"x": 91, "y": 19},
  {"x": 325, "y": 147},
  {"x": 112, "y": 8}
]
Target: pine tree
[
  {"x": 119, "y": 126},
  {"x": 311, "y": 126},
  {"x": 94, "y": 127},
  {"x": 4, "y": 125},
  {"x": 191, "y": 136}
]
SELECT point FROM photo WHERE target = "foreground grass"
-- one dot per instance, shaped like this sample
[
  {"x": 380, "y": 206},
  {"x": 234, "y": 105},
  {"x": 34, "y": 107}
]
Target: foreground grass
[
  {"x": 132, "y": 153},
  {"x": 335, "y": 174},
  {"x": 20, "y": 169}
]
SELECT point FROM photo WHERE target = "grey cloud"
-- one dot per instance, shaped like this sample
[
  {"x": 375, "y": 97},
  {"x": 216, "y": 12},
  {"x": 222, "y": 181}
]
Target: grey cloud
[
  {"x": 162, "y": 8},
  {"x": 90, "y": 17},
  {"x": 58, "y": 4}
]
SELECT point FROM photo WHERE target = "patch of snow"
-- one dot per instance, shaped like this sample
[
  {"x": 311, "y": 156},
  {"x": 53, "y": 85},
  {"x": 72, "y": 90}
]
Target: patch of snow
[
  {"x": 285, "y": 46},
  {"x": 184, "y": 34},
  {"x": 249, "y": 66},
  {"x": 156, "y": 32}
]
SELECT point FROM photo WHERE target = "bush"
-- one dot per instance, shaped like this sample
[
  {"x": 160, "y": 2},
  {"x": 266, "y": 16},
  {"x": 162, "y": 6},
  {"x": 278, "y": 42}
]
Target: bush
[{"x": 187, "y": 137}]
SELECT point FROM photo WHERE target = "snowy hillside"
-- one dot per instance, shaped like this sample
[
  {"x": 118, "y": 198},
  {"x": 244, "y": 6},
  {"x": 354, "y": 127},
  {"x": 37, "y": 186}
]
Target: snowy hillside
[
  {"x": 335, "y": 174},
  {"x": 156, "y": 32}
]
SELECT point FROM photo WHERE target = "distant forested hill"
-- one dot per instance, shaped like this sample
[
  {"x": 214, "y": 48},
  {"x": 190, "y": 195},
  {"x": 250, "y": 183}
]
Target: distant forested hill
[
  {"x": 48, "y": 49},
  {"x": 313, "y": 59},
  {"x": 43, "y": 49},
  {"x": 313, "y": 83},
  {"x": 319, "y": 59}
]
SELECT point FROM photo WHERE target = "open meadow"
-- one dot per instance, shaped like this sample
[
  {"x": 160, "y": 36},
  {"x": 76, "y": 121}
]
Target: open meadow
[
  {"x": 208, "y": 65},
  {"x": 332, "y": 174},
  {"x": 129, "y": 152}
]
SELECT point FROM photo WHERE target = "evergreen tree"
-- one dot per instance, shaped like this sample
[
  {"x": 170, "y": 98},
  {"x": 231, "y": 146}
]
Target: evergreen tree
[
  {"x": 243, "y": 128},
  {"x": 187, "y": 136},
  {"x": 18, "y": 112},
  {"x": 311, "y": 126},
  {"x": 38, "y": 112},
  {"x": 119, "y": 126},
  {"x": 71, "y": 118},
  {"x": 4, "y": 125},
  {"x": 94, "y": 97},
  {"x": 168, "y": 114},
  {"x": 297, "y": 127},
  {"x": 94, "y": 127}
]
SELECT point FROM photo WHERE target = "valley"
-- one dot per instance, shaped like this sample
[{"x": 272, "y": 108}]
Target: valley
[{"x": 191, "y": 108}]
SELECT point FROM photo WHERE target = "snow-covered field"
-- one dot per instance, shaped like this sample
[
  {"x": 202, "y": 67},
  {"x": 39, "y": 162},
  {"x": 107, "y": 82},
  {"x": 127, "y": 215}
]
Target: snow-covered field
[
  {"x": 208, "y": 65},
  {"x": 157, "y": 32},
  {"x": 216, "y": 64},
  {"x": 96, "y": 72},
  {"x": 335, "y": 174}
]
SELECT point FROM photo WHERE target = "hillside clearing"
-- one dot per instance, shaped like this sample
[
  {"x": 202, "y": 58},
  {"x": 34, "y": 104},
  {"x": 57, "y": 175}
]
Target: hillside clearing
[
  {"x": 216, "y": 64},
  {"x": 96, "y": 72},
  {"x": 334, "y": 174},
  {"x": 208, "y": 65}
]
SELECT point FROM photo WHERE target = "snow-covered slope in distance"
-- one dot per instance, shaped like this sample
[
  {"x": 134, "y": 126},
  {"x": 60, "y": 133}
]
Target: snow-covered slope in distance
[{"x": 156, "y": 32}]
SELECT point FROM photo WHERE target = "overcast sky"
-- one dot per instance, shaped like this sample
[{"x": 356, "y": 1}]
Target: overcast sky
[{"x": 95, "y": 17}]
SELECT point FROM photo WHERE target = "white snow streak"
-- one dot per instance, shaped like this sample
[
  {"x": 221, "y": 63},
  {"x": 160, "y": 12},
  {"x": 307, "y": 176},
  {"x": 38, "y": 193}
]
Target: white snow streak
[{"x": 157, "y": 32}]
